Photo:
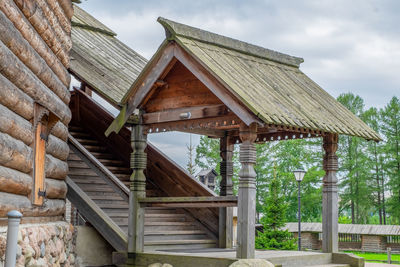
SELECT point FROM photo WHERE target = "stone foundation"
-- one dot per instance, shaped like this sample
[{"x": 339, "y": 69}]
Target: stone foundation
[{"x": 42, "y": 245}]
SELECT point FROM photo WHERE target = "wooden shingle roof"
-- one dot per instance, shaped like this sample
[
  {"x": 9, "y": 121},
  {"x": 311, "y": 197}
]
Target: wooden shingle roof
[
  {"x": 268, "y": 83},
  {"x": 97, "y": 57},
  {"x": 362, "y": 229}
]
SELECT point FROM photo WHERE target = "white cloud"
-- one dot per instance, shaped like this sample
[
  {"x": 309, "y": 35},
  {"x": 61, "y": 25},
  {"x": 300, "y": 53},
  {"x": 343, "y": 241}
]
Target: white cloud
[{"x": 348, "y": 46}]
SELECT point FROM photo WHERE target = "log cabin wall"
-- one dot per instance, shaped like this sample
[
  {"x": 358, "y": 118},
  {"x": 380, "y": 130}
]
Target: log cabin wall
[{"x": 34, "y": 57}]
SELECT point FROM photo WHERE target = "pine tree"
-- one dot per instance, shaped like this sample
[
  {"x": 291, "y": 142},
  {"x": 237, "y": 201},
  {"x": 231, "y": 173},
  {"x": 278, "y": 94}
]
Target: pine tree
[
  {"x": 190, "y": 166},
  {"x": 274, "y": 219},
  {"x": 391, "y": 131}
]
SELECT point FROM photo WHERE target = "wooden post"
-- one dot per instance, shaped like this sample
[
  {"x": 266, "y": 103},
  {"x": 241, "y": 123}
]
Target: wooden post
[
  {"x": 330, "y": 195},
  {"x": 247, "y": 194},
  {"x": 389, "y": 255},
  {"x": 137, "y": 190},
  {"x": 226, "y": 213}
]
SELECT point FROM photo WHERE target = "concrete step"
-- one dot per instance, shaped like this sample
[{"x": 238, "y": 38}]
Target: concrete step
[
  {"x": 330, "y": 265},
  {"x": 296, "y": 259}
]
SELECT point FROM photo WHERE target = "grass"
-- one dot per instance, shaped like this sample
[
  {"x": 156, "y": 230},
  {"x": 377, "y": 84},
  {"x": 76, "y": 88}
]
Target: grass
[{"x": 375, "y": 256}]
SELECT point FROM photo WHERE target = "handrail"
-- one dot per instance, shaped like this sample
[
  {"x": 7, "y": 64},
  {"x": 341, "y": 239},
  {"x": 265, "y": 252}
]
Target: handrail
[
  {"x": 96, "y": 216},
  {"x": 189, "y": 202},
  {"x": 99, "y": 166}
]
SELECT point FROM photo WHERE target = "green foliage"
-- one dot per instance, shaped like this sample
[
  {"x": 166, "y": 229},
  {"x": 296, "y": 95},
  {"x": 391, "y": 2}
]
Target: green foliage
[
  {"x": 344, "y": 220},
  {"x": 369, "y": 172},
  {"x": 273, "y": 237}
]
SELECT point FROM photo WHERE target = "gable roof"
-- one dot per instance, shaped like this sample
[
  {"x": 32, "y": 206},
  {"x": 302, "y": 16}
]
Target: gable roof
[
  {"x": 106, "y": 64},
  {"x": 268, "y": 83}
]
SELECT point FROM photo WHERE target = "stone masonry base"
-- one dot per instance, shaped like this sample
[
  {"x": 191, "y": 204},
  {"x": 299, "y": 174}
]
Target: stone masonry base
[{"x": 42, "y": 245}]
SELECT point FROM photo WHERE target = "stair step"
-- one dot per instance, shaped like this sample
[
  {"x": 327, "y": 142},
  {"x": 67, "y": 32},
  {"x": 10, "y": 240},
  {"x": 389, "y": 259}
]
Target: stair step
[
  {"x": 99, "y": 155},
  {"x": 113, "y": 206},
  {"x": 99, "y": 197},
  {"x": 117, "y": 214},
  {"x": 102, "y": 194},
  {"x": 81, "y": 171},
  {"x": 78, "y": 134},
  {"x": 88, "y": 180},
  {"x": 176, "y": 237},
  {"x": 78, "y": 164},
  {"x": 180, "y": 242},
  {"x": 168, "y": 223},
  {"x": 114, "y": 162},
  {"x": 85, "y": 141},
  {"x": 75, "y": 128},
  {"x": 96, "y": 148},
  {"x": 96, "y": 188},
  {"x": 330, "y": 265},
  {"x": 73, "y": 157},
  {"x": 119, "y": 202},
  {"x": 123, "y": 177},
  {"x": 189, "y": 232},
  {"x": 164, "y": 211},
  {"x": 118, "y": 169}
]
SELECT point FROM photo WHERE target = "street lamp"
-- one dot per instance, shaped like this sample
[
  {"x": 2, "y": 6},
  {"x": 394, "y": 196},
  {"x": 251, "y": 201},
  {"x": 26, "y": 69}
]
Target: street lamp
[{"x": 299, "y": 175}]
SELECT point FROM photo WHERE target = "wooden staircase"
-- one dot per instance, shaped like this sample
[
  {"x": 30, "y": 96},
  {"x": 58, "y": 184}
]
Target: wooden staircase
[{"x": 98, "y": 177}]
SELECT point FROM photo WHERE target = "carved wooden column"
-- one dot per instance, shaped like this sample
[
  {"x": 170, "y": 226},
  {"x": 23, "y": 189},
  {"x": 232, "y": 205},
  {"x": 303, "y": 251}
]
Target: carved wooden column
[
  {"x": 330, "y": 195},
  {"x": 226, "y": 214},
  {"x": 137, "y": 190},
  {"x": 247, "y": 193}
]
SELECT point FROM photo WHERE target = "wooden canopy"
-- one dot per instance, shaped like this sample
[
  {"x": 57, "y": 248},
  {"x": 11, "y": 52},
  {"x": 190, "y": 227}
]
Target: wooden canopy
[
  {"x": 106, "y": 64},
  {"x": 209, "y": 84}
]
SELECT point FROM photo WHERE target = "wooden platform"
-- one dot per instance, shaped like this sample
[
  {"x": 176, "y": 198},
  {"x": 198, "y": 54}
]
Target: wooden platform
[{"x": 224, "y": 257}]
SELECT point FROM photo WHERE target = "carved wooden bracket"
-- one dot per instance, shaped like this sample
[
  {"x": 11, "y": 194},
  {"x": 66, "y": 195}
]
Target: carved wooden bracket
[{"x": 46, "y": 118}]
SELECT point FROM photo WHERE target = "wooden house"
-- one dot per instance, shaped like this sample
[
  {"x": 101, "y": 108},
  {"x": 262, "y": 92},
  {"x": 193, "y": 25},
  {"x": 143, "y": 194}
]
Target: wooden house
[
  {"x": 364, "y": 237},
  {"x": 204, "y": 83},
  {"x": 53, "y": 146},
  {"x": 208, "y": 178},
  {"x": 99, "y": 167},
  {"x": 34, "y": 116}
]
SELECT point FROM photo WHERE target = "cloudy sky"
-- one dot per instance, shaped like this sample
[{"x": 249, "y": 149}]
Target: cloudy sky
[{"x": 348, "y": 46}]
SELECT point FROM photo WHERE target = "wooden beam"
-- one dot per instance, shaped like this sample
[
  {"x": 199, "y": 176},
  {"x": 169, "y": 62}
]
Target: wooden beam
[
  {"x": 189, "y": 202},
  {"x": 181, "y": 114},
  {"x": 212, "y": 123}
]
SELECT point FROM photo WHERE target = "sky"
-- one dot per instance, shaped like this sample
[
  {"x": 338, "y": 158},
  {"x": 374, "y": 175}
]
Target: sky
[{"x": 347, "y": 46}]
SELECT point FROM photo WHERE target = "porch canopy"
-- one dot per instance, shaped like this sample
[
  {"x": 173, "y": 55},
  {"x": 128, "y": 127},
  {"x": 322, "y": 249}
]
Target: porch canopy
[{"x": 204, "y": 83}]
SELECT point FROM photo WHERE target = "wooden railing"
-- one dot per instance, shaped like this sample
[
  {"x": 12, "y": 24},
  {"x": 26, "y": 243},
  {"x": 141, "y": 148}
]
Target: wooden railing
[
  {"x": 96, "y": 216},
  {"x": 99, "y": 168},
  {"x": 189, "y": 202}
]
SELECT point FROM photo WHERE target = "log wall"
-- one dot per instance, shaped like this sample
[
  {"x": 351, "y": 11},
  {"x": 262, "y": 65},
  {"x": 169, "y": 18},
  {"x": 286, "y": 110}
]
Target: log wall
[{"x": 35, "y": 40}]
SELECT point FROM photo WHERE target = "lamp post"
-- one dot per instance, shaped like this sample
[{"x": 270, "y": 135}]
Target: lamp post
[{"x": 299, "y": 175}]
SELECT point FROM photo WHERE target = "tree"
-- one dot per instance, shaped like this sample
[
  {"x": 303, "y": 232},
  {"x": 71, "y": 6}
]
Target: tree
[
  {"x": 354, "y": 176},
  {"x": 391, "y": 131},
  {"x": 190, "y": 166},
  {"x": 274, "y": 219}
]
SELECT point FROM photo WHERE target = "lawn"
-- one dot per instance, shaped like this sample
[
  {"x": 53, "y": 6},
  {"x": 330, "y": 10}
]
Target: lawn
[{"x": 375, "y": 256}]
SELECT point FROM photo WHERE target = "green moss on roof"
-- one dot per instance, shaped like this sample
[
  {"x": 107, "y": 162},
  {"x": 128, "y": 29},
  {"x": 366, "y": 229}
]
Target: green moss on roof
[
  {"x": 100, "y": 59},
  {"x": 174, "y": 29},
  {"x": 270, "y": 84}
]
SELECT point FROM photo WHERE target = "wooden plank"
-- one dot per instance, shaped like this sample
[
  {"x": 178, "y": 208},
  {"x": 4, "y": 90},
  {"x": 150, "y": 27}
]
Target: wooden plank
[
  {"x": 189, "y": 202},
  {"x": 39, "y": 164},
  {"x": 182, "y": 89},
  {"x": 187, "y": 199},
  {"x": 192, "y": 205},
  {"x": 193, "y": 113}
]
